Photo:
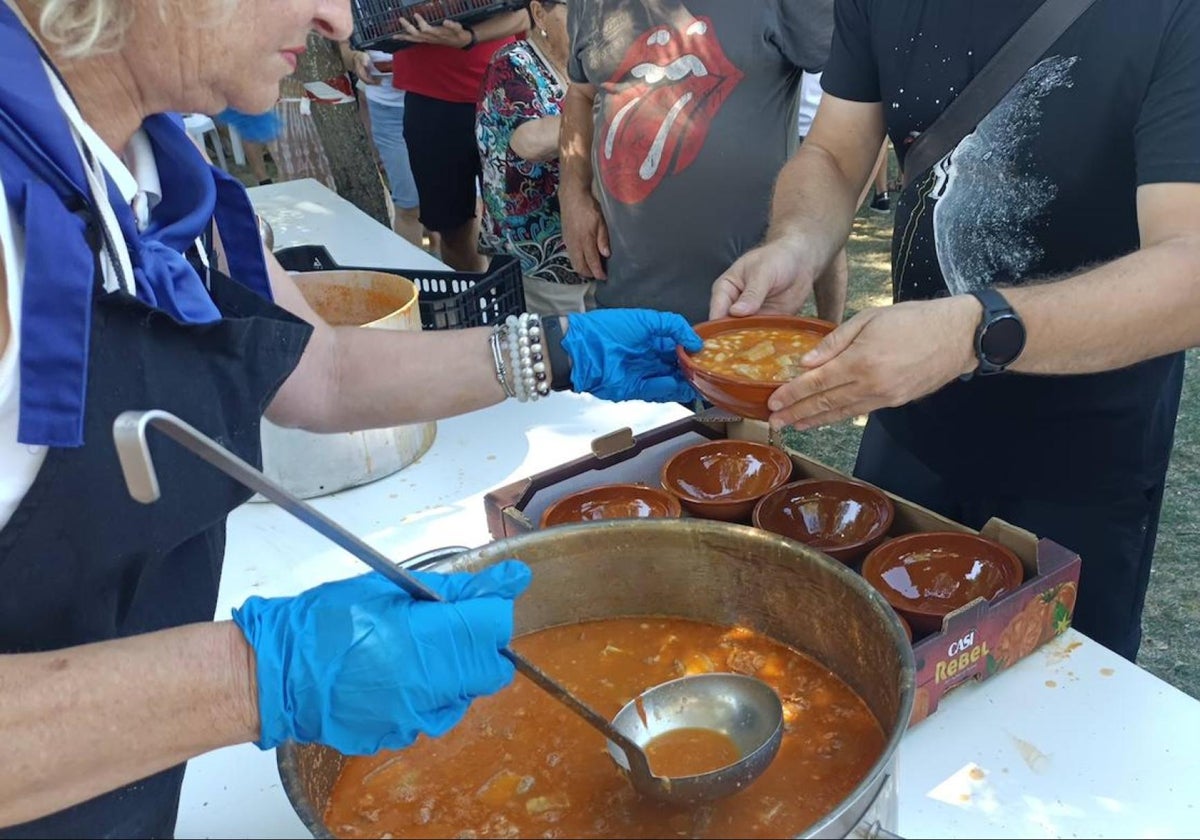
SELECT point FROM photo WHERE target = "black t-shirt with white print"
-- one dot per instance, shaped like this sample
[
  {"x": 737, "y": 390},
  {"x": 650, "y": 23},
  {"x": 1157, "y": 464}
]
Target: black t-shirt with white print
[{"x": 1045, "y": 186}]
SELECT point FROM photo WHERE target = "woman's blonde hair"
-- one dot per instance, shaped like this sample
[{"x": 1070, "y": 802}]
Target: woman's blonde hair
[{"x": 86, "y": 27}]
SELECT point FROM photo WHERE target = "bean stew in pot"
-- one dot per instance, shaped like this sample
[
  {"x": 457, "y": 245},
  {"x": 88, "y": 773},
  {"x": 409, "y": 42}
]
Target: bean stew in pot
[{"x": 520, "y": 765}]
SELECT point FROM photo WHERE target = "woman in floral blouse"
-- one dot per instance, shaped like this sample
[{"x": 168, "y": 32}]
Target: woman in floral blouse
[{"x": 516, "y": 127}]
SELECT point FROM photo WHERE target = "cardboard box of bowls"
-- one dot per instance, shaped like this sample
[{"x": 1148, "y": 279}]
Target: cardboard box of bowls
[{"x": 920, "y": 561}]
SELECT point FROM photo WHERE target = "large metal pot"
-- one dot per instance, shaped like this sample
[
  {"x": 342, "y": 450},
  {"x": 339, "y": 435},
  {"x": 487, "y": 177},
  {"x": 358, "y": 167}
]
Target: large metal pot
[
  {"x": 709, "y": 571},
  {"x": 310, "y": 464}
]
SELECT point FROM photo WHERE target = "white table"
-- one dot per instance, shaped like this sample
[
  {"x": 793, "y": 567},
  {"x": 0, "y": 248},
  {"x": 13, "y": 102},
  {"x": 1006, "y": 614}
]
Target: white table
[
  {"x": 306, "y": 212},
  {"x": 1071, "y": 742}
]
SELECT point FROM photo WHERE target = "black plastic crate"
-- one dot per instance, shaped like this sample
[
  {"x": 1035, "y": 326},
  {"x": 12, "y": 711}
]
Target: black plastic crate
[
  {"x": 377, "y": 22},
  {"x": 447, "y": 299}
]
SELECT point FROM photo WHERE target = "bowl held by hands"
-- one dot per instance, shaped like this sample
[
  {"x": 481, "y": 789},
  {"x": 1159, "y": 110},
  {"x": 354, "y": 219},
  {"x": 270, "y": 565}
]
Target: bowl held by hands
[{"x": 745, "y": 360}]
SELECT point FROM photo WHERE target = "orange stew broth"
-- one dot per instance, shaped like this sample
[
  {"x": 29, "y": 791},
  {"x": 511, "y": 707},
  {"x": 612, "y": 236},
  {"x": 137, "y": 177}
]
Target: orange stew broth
[
  {"x": 762, "y": 354},
  {"x": 521, "y": 765}
]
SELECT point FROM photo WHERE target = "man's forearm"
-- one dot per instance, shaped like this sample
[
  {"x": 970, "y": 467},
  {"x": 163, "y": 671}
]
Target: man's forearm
[
  {"x": 575, "y": 141},
  {"x": 814, "y": 205},
  {"x": 77, "y": 722},
  {"x": 1135, "y": 308},
  {"x": 829, "y": 289}
]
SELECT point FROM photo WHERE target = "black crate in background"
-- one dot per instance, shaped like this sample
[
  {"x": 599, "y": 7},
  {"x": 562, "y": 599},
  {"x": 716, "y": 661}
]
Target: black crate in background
[
  {"x": 377, "y": 22},
  {"x": 447, "y": 299}
]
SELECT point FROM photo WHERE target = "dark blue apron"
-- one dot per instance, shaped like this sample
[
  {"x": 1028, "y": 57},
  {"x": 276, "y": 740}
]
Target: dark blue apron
[{"x": 80, "y": 561}]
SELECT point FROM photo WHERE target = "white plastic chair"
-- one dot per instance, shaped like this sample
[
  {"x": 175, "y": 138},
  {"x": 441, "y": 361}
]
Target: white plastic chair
[
  {"x": 235, "y": 143},
  {"x": 199, "y": 125}
]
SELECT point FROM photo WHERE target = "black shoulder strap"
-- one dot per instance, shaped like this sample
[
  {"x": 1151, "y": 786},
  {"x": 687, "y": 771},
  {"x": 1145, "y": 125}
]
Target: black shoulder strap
[{"x": 992, "y": 83}]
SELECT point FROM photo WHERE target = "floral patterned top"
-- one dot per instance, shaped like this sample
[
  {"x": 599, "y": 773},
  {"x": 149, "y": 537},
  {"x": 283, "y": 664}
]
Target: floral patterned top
[{"x": 520, "y": 197}]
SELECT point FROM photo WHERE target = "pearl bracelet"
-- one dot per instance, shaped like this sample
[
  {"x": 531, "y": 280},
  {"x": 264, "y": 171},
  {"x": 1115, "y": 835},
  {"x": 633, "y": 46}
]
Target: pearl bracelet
[{"x": 526, "y": 356}]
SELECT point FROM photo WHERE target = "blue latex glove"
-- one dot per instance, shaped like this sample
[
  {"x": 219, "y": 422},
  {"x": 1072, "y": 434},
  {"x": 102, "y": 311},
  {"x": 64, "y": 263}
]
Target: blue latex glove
[
  {"x": 257, "y": 128},
  {"x": 629, "y": 354},
  {"x": 360, "y": 666}
]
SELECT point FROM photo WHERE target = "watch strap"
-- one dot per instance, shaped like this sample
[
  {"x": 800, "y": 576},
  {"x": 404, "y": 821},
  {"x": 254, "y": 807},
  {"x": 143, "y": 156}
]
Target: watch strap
[
  {"x": 474, "y": 38},
  {"x": 560, "y": 362}
]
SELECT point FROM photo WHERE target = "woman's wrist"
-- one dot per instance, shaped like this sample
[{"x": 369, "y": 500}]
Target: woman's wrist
[
  {"x": 553, "y": 329},
  {"x": 243, "y": 676}
]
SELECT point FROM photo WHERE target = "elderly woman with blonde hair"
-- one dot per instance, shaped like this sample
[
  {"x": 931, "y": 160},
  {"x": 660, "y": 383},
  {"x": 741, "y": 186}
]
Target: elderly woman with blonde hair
[{"x": 132, "y": 276}]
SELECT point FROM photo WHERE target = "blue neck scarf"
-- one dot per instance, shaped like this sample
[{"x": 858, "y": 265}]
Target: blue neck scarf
[{"x": 47, "y": 189}]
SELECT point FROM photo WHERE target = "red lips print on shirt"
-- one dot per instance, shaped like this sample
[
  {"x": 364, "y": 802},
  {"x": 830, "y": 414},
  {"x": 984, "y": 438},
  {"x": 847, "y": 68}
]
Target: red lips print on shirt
[{"x": 664, "y": 97}]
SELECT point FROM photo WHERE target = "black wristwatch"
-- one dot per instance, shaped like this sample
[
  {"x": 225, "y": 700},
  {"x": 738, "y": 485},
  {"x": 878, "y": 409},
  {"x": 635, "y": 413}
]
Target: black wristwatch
[
  {"x": 1000, "y": 336},
  {"x": 474, "y": 40}
]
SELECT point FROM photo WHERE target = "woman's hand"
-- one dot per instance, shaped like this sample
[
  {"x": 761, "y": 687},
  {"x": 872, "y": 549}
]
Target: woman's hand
[
  {"x": 882, "y": 357},
  {"x": 448, "y": 33},
  {"x": 629, "y": 354},
  {"x": 360, "y": 666},
  {"x": 362, "y": 67}
]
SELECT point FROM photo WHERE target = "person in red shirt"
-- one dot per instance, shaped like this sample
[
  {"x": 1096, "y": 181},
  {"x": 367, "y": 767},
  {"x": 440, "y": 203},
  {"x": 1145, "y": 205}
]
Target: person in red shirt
[{"x": 442, "y": 73}]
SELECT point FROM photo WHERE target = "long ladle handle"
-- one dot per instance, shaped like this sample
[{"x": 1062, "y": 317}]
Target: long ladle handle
[{"x": 137, "y": 465}]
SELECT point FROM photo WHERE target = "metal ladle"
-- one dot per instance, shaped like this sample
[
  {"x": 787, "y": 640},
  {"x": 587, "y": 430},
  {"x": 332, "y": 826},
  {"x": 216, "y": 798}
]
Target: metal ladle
[{"x": 749, "y": 719}]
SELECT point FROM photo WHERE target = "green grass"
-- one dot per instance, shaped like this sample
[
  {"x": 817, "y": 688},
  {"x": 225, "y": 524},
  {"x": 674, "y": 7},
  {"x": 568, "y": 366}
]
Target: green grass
[{"x": 1171, "y": 641}]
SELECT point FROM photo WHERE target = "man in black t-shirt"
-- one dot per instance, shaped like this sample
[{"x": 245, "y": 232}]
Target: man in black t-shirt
[{"x": 1079, "y": 197}]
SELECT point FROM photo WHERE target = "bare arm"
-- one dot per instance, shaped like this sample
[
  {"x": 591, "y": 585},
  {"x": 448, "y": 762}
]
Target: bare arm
[
  {"x": 584, "y": 230},
  {"x": 77, "y": 722},
  {"x": 1134, "y": 308},
  {"x": 821, "y": 187},
  {"x": 815, "y": 199},
  {"x": 537, "y": 140},
  {"x": 351, "y": 378},
  {"x": 453, "y": 34},
  {"x": 358, "y": 63},
  {"x": 1140, "y": 306},
  {"x": 829, "y": 289}
]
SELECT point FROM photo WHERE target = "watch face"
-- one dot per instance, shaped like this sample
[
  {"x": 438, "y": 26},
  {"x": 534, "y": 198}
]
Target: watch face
[{"x": 1003, "y": 340}]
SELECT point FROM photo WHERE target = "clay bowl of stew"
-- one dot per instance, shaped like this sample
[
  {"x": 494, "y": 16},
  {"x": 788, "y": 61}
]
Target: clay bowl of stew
[
  {"x": 612, "y": 501},
  {"x": 725, "y": 479},
  {"x": 744, "y": 360},
  {"x": 925, "y": 576},
  {"x": 845, "y": 519}
]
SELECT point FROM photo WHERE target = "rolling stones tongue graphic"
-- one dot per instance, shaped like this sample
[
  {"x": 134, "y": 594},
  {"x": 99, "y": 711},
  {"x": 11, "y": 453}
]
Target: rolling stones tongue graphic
[{"x": 667, "y": 91}]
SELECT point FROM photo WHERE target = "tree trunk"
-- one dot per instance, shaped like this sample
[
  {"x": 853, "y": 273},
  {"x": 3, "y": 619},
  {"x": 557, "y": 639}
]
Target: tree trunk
[{"x": 347, "y": 146}]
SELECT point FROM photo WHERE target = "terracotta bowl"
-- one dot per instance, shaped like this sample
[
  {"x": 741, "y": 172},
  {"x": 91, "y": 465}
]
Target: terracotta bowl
[
  {"x": 739, "y": 394},
  {"x": 924, "y": 576},
  {"x": 612, "y": 501},
  {"x": 724, "y": 479},
  {"x": 843, "y": 518}
]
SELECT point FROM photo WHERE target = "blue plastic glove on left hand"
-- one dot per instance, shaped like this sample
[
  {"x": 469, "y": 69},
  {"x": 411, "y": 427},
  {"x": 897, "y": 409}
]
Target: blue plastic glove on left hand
[
  {"x": 629, "y": 354},
  {"x": 360, "y": 666}
]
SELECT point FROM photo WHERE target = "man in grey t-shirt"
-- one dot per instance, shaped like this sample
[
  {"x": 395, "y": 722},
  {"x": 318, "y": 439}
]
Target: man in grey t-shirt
[{"x": 677, "y": 121}]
